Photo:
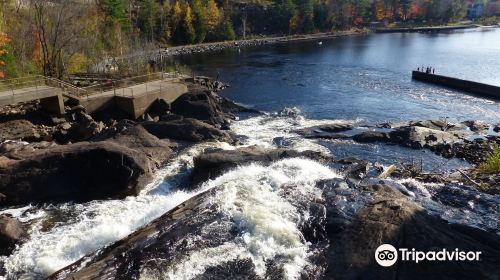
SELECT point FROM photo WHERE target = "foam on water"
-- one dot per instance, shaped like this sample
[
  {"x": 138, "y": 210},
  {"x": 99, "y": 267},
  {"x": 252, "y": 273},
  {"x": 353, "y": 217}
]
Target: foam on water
[
  {"x": 97, "y": 223},
  {"x": 259, "y": 200}
]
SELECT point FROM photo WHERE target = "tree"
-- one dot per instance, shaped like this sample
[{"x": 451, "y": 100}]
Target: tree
[
  {"x": 199, "y": 21},
  {"x": 147, "y": 17},
  {"x": 213, "y": 15},
  {"x": 188, "y": 33},
  {"x": 5, "y": 56},
  {"x": 59, "y": 27}
]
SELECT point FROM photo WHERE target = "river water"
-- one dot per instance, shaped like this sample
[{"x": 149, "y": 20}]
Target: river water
[
  {"x": 364, "y": 79},
  {"x": 367, "y": 77}
]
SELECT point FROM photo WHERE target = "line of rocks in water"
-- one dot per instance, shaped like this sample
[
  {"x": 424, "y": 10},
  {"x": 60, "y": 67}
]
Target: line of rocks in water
[
  {"x": 472, "y": 141},
  {"x": 218, "y": 46}
]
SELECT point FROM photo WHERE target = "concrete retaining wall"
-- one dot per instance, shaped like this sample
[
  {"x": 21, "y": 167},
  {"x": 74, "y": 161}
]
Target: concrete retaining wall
[
  {"x": 134, "y": 106},
  {"x": 464, "y": 85}
]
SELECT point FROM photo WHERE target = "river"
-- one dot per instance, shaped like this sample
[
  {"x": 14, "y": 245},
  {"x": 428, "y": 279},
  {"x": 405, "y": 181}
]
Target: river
[
  {"x": 362, "y": 79},
  {"x": 367, "y": 77}
]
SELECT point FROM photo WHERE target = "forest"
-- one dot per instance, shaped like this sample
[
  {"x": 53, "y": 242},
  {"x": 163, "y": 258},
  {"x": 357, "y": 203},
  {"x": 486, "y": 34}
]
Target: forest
[{"x": 67, "y": 36}]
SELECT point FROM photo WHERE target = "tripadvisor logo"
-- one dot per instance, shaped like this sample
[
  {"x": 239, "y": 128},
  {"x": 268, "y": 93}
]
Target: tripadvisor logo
[{"x": 386, "y": 255}]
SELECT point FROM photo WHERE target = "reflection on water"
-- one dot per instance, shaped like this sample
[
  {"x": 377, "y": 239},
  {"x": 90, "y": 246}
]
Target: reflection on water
[{"x": 364, "y": 77}]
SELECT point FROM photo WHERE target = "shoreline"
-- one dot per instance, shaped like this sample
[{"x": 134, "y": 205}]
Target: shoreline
[
  {"x": 425, "y": 29},
  {"x": 166, "y": 52}
]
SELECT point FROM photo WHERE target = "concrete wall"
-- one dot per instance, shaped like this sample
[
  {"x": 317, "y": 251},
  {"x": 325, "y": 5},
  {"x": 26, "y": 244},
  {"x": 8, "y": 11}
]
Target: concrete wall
[
  {"x": 468, "y": 86},
  {"x": 134, "y": 106},
  {"x": 53, "y": 104},
  {"x": 137, "y": 106}
]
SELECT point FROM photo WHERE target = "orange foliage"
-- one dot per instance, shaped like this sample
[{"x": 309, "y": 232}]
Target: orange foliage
[{"x": 4, "y": 40}]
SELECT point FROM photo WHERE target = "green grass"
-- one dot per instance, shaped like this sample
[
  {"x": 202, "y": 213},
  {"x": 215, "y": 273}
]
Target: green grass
[{"x": 492, "y": 163}]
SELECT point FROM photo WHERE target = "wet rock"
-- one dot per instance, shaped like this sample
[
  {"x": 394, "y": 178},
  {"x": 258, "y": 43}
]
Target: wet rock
[
  {"x": 371, "y": 136},
  {"x": 214, "y": 163},
  {"x": 11, "y": 233},
  {"x": 476, "y": 126},
  {"x": 23, "y": 130},
  {"x": 442, "y": 125},
  {"x": 160, "y": 244},
  {"x": 76, "y": 172},
  {"x": 496, "y": 128},
  {"x": 392, "y": 219},
  {"x": 419, "y": 137},
  {"x": 328, "y": 131},
  {"x": 289, "y": 112},
  {"x": 187, "y": 130}
]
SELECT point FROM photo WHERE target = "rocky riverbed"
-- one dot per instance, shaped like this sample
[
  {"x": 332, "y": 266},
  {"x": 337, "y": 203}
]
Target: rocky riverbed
[{"x": 191, "y": 191}]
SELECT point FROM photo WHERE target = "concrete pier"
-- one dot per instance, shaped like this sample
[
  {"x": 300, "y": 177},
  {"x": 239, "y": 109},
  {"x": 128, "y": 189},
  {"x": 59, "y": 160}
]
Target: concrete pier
[
  {"x": 133, "y": 99},
  {"x": 51, "y": 99},
  {"x": 476, "y": 88}
]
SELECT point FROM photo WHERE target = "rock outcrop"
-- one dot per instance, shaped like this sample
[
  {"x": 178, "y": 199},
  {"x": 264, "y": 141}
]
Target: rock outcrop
[
  {"x": 76, "y": 172},
  {"x": 214, "y": 163},
  {"x": 187, "y": 130},
  {"x": 11, "y": 233},
  {"x": 392, "y": 219}
]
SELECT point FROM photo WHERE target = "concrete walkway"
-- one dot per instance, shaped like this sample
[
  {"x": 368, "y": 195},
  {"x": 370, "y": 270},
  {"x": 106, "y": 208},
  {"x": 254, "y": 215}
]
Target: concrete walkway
[{"x": 27, "y": 94}]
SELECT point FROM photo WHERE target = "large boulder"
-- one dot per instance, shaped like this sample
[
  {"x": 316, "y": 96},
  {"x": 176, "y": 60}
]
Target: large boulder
[
  {"x": 76, "y": 172},
  {"x": 390, "y": 218},
  {"x": 213, "y": 163},
  {"x": 11, "y": 233},
  {"x": 203, "y": 106},
  {"x": 187, "y": 130}
]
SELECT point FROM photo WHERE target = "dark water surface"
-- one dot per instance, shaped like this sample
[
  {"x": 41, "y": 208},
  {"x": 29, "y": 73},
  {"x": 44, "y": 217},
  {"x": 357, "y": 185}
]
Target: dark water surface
[{"x": 362, "y": 77}]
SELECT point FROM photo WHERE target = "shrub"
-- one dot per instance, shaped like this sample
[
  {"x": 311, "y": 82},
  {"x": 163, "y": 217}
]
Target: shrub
[{"x": 492, "y": 163}]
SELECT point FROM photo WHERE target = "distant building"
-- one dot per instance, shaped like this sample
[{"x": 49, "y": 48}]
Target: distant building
[{"x": 475, "y": 10}]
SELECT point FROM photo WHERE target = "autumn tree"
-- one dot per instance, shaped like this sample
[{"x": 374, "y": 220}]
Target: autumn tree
[
  {"x": 4, "y": 53},
  {"x": 59, "y": 27}
]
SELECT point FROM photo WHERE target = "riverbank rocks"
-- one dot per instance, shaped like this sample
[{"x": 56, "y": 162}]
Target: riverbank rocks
[
  {"x": 76, "y": 172},
  {"x": 134, "y": 136},
  {"x": 200, "y": 105},
  {"x": 79, "y": 126},
  {"x": 11, "y": 233},
  {"x": 476, "y": 126},
  {"x": 24, "y": 130},
  {"x": 371, "y": 136},
  {"x": 187, "y": 129},
  {"x": 214, "y": 163},
  {"x": 390, "y": 218},
  {"x": 327, "y": 131},
  {"x": 420, "y": 137}
]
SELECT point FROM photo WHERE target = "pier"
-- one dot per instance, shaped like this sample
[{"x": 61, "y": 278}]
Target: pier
[{"x": 476, "y": 88}]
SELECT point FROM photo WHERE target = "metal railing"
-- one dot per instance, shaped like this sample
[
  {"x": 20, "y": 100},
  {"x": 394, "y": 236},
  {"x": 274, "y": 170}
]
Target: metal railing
[
  {"x": 16, "y": 85},
  {"x": 123, "y": 87}
]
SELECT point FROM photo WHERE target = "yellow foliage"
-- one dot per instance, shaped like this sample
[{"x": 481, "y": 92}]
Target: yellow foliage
[
  {"x": 77, "y": 63},
  {"x": 213, "y": 15},
  {"x": 295, "y": 21}
]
